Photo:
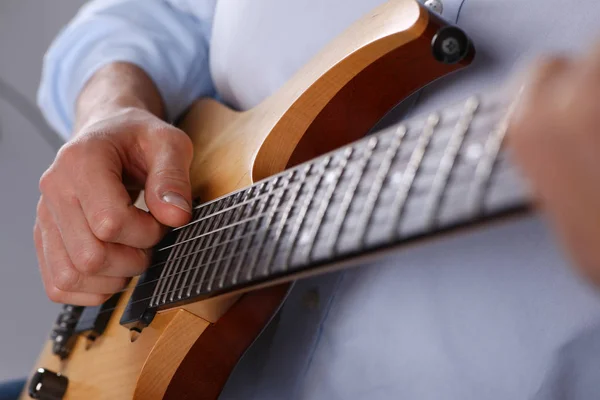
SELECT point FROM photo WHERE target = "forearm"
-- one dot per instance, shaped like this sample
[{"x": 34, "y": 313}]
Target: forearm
[
  {"x": 80, "y": 78},
  {"x": 113, "y": 87}
]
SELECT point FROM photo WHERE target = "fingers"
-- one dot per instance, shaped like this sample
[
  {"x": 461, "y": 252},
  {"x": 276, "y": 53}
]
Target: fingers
[
  {"x": 538, "y": 83},
  {"x": 52, "y": 291},
  {"x": 88, "y": 254},
  {"x": 556, "y": 142},
  {"x": 168, "y": 188},
  {"x": 90, "y": 237},
  {"x": 66, "y": 276},
  {"x": 105, "y": 201},
  {"x": 111, "y": 215}
]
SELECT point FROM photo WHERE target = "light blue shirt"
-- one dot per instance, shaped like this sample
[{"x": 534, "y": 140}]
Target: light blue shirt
[
  {"x": 496, "y": 313},
  {"x": 163, "y": 37}
]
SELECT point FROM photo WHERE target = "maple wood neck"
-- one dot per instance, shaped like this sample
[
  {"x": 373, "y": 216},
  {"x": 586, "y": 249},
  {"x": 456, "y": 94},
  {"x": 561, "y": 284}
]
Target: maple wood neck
[{"x": 415, "y": 178}]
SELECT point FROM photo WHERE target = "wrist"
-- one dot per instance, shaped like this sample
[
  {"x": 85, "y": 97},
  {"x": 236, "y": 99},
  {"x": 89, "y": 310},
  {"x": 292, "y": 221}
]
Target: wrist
[
  {"x": 107, "y": 109},
  {"x": 113, "y": 89}
]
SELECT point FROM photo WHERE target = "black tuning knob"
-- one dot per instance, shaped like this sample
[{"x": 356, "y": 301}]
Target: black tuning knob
[
  {"x": 47, "y": 385},
  {"x": 450, "y": 45}
]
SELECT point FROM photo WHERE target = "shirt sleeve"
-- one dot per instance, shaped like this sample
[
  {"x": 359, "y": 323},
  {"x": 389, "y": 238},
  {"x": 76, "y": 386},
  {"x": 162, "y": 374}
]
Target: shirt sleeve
[{"x": 162, "y": 37}]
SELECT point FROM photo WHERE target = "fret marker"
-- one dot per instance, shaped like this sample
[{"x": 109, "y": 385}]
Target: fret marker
[
  {"x": 474, "y": 152},
  {"x": 331, "y": 177},
  {"x": 396, "y": 177},
  {"x": 472, "y": 104},
  {"x": 447, "y": 161},
  {"x": 410, "y": 172}
]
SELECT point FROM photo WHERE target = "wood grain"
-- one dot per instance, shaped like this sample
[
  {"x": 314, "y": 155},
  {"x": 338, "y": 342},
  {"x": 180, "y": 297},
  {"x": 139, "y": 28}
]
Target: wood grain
[
  {"x": 244, "y": 147},
  {"x": 166, "y": 355},
  {"x": 111, "y": 367},
  {"x": 205, "y": 370}
]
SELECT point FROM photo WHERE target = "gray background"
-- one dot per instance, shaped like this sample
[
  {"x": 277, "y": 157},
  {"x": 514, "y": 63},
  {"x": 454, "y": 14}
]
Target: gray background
[{"x": 26, "y": 29}]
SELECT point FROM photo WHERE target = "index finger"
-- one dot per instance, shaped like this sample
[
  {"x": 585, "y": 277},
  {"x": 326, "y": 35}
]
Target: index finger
[{"x": 110, "y": 213}]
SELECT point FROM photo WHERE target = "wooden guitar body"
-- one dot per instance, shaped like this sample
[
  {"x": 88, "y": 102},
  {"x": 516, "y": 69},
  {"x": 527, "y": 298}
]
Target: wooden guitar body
[{"x": 188, "y": 352}]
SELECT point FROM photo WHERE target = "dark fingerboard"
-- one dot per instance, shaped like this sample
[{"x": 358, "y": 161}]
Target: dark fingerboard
[{"x": 416, "y": 178}]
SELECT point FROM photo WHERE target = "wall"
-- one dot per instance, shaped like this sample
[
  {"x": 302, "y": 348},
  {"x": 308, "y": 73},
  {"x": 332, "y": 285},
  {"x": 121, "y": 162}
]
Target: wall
[{"x": 26, "y": 29}]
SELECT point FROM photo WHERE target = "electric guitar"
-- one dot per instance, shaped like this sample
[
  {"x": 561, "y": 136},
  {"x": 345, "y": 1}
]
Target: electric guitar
[{"x": 291, "y": 188}]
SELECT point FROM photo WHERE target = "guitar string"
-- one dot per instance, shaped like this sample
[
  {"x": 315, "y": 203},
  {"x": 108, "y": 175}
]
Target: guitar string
[
  {"x": 199, "y": 284},
  {"x": 167, "y": 293},
  {"x": 508, "y": 167},
  {"x": 503, "y": 168},
  {"x": 233, "y": 207},
  {"x": 363, "y": 142},
  {"x": 258, "y": 198},
  {"x": 263, "y": 229}
]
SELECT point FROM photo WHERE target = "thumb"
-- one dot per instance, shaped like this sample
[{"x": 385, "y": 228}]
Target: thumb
[{"x": 168, "y": 192}]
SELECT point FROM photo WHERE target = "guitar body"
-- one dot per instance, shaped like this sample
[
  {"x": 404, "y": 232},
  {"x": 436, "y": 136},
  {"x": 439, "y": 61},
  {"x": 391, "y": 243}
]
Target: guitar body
[{"x": 189, "y": 351}]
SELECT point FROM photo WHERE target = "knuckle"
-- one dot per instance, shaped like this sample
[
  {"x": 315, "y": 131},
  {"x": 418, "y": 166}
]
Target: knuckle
[
  {"x": 39, "y": 207},
  {"x": 121, "y": 284},
  {"x": 69, "y": 152},
  {"x": 182, "y": 139},
  {"x": 43, "y": 216},
  {"x": 66, "y": 279},
  {"x": 173, "y": 175},
  {"x": 37, "y": 237},
  {"x": 90, "y": 260},
  {"x": 550, "y": 64},
  {"x": 107, "y": 224},
  {"x": 141, "y": 260},
  {"x": 55, "y": 294},
  {"x": 546, "y": 69},
  {"x": 184, "y": 145},
  {"x": 175, "y": 139},
  {"x": 47, "y": 180}
]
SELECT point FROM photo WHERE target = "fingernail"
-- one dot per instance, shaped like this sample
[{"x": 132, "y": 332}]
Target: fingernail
[{"x": 177, "y": 200}]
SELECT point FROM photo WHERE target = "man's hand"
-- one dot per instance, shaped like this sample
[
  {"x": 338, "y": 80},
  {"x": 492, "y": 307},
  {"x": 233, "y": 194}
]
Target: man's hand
[
  {"x": 555, "y": 136},
  {"x": 89, "y": 236}
]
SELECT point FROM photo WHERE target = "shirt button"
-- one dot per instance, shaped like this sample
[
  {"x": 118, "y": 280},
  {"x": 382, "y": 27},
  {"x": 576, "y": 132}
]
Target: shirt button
[{"x": 435, "y": 5}]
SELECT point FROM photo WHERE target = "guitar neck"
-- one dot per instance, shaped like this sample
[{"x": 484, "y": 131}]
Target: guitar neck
[{"x": 416, "y": 178}]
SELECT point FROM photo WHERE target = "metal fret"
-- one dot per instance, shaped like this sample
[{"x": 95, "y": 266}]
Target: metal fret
[
  {"x": 263, "y": 233},
  {"x": 208, "y": 233},
  {"x": 376, "y": 192},
  {"x": 187, "y": 263},
  {"x": 262, "y": 203},
  {"x": 192, "y": 260},
  {"x": 408, "y": 176},
  {"x": 307, "y": 202},
  {"x": 485, "y": 166},
  {"x": 166, "y": 273},
  {"x": 214, "y": 240},
  {"x": 180, "y": 251},
  {"x": 382, "y": 173},
  {"x": 249, "y": 208},
  {"x": 333, "y": 182},
  {"x": 324, "y": 246},
  {"x": 447, "y": 162},
  {"x": 172, "y": 261},
  {"x": 227, "y": 242},
  {"x": 188, "y": 274},
  {"x": 201, "y": 240},
  {"x": 342, "y": 213},
  {"x": 284, "y": 218}
]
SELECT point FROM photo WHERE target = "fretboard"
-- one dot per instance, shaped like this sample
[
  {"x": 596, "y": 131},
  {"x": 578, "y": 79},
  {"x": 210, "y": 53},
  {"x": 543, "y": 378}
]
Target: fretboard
[{"x": 416, "y": 178}]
